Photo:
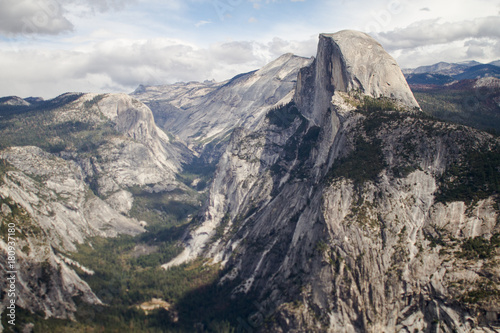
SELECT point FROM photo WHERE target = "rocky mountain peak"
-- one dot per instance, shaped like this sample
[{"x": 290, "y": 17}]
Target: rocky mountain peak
[
  {"x": 345, "y": 216},
  {"x": 346, "y": 61},
  {"x": 13, "y": 101},
  {"x": 286, "y": 62}
]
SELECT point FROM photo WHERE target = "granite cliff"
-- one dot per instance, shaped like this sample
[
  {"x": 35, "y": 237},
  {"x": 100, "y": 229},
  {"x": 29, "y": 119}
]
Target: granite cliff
[{"x": 349, "y": 210}]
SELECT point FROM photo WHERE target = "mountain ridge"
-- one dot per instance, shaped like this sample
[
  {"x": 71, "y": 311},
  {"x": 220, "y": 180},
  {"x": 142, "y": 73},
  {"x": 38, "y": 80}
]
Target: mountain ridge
[
  {"x": 446, "y": 68},
  {"x": 240, "y": 101},
  {"x": 444, "y": 73}
]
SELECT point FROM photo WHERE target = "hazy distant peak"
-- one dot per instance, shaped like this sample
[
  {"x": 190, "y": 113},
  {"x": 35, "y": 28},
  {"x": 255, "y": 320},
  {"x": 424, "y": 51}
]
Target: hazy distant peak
[{"x": 13, "y": 101}]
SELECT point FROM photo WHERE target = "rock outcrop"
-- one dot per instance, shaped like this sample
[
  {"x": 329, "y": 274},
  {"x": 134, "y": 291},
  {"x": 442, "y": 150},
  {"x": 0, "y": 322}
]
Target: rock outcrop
[
  {"x": 136, "y": 120},
  {"x": 52, "y": 210},
  {"x": 13, "y": 101}
]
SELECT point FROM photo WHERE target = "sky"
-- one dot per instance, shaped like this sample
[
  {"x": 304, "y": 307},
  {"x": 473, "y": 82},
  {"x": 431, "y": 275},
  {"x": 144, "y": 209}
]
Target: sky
[{"x": 49, "y": 47}]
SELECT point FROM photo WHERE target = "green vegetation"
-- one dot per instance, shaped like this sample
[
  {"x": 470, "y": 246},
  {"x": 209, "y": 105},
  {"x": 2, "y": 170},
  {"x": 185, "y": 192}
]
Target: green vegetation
[
  {"x": 22, "y": 220},
  {"x": 321, "y": 247},
  {"x": 435, "y": 241},
  {"x": 219, "y": 230},
  {"x": 465, "y": 105},
  {"x": 308, "y": 143},
  {"x": 15, "y": 110},
  {"x": 93, "y": 102},
  {"x": 474, "y": 178},
  {"x": 123, "y": 283},
  {"x": 123, "y": 280},
  {"x": 429, "y": 78},
  {"x": 364, "y": 163},
  {"x": 123, "y": 277},
  {"x": 163, "y": 210},
  {"x": 480, "y": 248},
  {"x": 128, "y": 272},
  {"x": 480, "y": 294},
  {"x": 4, "y": 167},
  {"x": 483, "y": 290},
  {"x": 197, "y": 169},
  {"x": 36, "y": 126},
  {"x": 127, "y": 269},
  {"x": 370, "y": 104},
  {"x": 403, "y": 170}
]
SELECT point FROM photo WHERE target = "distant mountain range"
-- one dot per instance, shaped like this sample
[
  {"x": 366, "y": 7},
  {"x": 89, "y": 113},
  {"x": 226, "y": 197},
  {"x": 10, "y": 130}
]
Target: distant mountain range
[
  {"x": 467, "y": 93},
  {"x": 444, "y": 72}
]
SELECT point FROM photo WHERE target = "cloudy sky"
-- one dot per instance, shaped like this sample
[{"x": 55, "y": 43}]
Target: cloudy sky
[{"x": 48, "y": 47}]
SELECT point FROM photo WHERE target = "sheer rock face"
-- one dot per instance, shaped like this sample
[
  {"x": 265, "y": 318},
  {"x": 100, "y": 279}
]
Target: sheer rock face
[
  {"x": 323, "y": 252},
  {"x": 346, "y": 61}
]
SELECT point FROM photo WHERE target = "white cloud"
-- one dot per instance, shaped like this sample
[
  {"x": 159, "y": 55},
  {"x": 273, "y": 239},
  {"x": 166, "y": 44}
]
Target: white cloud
[
  {"x": 113, "y": 45},
  {"x": 431, "y": 41},
  {"x": 482, "y": 50},
  {"x": 101, "y": 5},
  {"x": 32, "y": 17},
  {"x": 424, "y": 33},
  {"x": 49, "y": 17},
  {"x": 232, "y": 53},
  {"x": 257, "y": 3},
  {"x": 123, "y": 64},
  {"x": 476, "y": 48},
  {"x": 202, "y": 23},
  {"x": 280, "y": 46}
]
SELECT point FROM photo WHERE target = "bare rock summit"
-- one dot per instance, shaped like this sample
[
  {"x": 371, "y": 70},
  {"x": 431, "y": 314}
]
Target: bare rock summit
[{"x": 350, "y": 61}]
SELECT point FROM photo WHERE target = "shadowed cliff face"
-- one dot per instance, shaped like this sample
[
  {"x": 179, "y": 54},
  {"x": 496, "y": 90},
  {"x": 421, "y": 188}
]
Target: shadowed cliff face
[{"x": 342, "y": 212}]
